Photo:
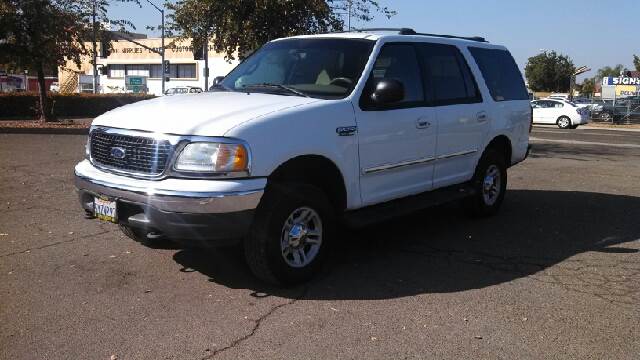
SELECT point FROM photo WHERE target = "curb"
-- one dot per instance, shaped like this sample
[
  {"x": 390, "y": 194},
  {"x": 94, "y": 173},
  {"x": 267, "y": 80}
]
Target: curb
[{"x": 50, "y": 131}]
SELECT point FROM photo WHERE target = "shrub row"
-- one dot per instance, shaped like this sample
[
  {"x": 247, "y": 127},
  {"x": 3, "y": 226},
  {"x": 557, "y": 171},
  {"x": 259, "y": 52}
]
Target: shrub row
[{"x": 25, "y": 105}]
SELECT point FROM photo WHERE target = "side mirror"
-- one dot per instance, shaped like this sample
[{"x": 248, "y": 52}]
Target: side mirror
[
  {"x": 388, "y": 91},
  {"x": 217, "y": 80}
]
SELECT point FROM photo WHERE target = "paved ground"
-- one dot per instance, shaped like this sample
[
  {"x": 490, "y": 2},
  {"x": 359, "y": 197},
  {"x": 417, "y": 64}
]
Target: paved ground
[{"x": 555, "y": 275}]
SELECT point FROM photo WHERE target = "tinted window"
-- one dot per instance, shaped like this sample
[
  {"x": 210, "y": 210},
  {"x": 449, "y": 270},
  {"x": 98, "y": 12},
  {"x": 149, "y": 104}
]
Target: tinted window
[
  {"x": 447, "y": 76},
  {"x": 500, "y": 73},
  {"x": 399, "y": 62}
]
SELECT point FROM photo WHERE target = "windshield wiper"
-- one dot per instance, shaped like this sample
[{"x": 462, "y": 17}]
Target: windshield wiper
[{"x": 277, "y": 86}]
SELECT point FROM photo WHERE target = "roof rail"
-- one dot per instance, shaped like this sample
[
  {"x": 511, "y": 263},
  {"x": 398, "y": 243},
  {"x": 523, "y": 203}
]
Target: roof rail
[{"x": 409, "y": 31}]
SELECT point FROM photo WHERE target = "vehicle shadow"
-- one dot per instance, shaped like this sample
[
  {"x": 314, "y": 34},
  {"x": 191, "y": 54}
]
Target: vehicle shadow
[
  {"x": 441, "y": 251},
  {"x": 577, "y": 152}
]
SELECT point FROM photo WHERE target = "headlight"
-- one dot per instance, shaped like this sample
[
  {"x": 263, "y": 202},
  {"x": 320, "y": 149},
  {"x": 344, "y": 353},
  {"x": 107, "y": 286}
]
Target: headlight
[{"x": 213, "y": 157}]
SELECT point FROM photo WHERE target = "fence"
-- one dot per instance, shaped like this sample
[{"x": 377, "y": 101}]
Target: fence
[{"x": 623, "y": 111}]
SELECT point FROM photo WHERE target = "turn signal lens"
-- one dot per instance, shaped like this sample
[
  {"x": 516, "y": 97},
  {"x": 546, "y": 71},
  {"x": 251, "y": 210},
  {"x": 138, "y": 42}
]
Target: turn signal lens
[{"x": 213, "y": 157}]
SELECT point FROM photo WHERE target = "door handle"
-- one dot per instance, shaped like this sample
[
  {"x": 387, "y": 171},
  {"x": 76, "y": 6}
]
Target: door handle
[
  {"x": 482, "y": 117},
  {"x": 422, "y": 123}
]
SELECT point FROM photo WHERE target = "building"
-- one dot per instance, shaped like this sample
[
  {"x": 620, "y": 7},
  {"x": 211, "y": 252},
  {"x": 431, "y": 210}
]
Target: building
[
  {"x": 626, "y": 85},
  {"x": 128, "y": 59}
]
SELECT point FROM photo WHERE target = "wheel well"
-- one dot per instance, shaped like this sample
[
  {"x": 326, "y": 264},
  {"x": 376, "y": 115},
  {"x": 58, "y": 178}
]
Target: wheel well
[
  {"x": 503, "y": 144},
  {"x": 317, "y": 171}
]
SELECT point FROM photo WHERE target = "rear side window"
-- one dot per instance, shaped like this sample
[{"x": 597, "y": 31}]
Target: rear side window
[
  {"x": 500, "y": 73},
  {"x": 447, "y": 76}
]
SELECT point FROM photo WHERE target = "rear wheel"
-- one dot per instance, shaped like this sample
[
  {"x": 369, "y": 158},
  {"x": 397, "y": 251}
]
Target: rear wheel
[
  {"x": 489, "y": 183},
  {"x": 292, "y": 230},
  {"x": 564, "y": 122}
]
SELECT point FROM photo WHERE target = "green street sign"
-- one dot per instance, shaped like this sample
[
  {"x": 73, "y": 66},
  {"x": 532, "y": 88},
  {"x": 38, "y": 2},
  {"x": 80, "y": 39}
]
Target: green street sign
[{"x": 135, "y": 81}]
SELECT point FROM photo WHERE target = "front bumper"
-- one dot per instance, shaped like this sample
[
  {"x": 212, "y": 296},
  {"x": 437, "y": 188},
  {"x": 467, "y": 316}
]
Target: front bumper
[{"x": 205, "y": 212}]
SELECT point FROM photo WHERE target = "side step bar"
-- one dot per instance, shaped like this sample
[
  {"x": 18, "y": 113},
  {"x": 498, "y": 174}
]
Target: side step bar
[{"x": 401, "y": 207}]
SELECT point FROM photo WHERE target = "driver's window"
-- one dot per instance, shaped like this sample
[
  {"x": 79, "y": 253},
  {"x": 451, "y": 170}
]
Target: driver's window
[{"x": 399, "y": 62}]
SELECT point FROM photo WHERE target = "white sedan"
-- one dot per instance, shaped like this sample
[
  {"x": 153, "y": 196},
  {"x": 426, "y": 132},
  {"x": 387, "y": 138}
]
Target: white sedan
[{"x": 565, "y": 114}]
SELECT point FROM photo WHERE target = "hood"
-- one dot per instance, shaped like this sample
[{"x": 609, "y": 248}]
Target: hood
[{"x": 205, "y": 114}]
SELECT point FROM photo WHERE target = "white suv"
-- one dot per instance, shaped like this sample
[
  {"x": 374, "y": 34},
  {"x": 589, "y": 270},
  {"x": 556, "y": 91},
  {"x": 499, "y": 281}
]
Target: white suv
[{"x": 308, "y": 134}]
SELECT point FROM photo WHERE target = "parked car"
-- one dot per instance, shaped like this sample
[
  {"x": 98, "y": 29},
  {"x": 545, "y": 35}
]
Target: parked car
[
  {"x": 559, "y": 96},
  {"x": 590, "y": 104},
  {"x": 621, "y": 109},
  {"x": 181, "y": 90},
  {"x": 562, "y": 113},
  {"x": 308, "y": 133}
]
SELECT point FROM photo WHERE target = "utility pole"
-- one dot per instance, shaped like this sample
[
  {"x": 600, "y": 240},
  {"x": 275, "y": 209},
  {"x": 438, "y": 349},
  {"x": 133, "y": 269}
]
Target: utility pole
[
  {"x": 161, "y": 52},
  {"x": 349, "y": 3},
  {"x": 162, "y": 44},
  {"x": 206, "y": 62},
  {"x": 95, "y": 51}
]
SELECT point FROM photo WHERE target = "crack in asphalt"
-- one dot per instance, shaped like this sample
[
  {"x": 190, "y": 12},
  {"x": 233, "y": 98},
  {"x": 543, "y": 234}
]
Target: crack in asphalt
[
  {"x": 256, "y": 326},
  {"x": 575, "y": 275},
  {"x": 54, "y": 244}
]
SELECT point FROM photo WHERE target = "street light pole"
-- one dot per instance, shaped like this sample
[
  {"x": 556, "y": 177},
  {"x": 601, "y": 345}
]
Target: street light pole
[
  {"x": 162, "y": 41},
  {"x": 162, "y": 44},
  {"x": 95, "y": 55}
]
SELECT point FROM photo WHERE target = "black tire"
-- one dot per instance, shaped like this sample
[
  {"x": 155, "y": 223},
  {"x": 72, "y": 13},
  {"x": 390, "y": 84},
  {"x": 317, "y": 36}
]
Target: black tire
[
  {"x": 477, "y": 205},
  {"x": 564, "y": 122},
  {"x": 262, "y": 246}
]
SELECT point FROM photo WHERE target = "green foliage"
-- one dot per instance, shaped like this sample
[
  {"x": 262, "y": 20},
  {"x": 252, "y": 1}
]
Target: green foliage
[
  {"x": 25, "y": 105},
  {"x": 550, "y": 72},
  {"x": 588, "y": 87},
  {"x": 609, "y": 71},
  {"x": 40, "y": 34},
  {"x": 241, "y": 26},
  {"x": 636, "y": 62}
]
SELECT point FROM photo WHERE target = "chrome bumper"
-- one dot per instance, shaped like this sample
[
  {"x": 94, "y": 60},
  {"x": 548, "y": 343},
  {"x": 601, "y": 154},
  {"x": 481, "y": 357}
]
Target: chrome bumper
[
  {"x": 178, "y": 208},
  {"x": 172, "y": 195}
]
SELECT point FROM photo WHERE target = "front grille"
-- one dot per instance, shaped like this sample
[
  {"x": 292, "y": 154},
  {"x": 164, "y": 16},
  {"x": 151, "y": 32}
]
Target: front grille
[{"x": 135, "y": 154}]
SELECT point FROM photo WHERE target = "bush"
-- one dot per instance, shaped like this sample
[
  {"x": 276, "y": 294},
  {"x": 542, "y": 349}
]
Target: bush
[{"x": 25, "y": 105}]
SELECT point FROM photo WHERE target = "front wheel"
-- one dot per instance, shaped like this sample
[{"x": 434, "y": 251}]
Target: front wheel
[
  {"x": 489, "y": 184},
  {"x": 564, "y": 122},
  {"x": 290, "y": 237}
]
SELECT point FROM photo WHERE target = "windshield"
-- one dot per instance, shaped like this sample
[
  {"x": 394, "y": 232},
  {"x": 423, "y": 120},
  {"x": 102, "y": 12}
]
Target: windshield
[{"x": 322, "y": 68}]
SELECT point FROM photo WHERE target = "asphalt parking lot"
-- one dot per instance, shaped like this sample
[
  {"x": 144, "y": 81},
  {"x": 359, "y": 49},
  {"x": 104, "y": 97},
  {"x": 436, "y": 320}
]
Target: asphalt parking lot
[{"x": 555, "y": 275}]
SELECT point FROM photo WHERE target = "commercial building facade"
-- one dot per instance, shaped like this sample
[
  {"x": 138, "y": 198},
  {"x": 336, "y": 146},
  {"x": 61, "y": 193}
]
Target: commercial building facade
[{"x": 129, "y": 59}]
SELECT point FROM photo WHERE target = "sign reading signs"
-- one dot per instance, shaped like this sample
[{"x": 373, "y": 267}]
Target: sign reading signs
[{"x": 620, "y": 81}]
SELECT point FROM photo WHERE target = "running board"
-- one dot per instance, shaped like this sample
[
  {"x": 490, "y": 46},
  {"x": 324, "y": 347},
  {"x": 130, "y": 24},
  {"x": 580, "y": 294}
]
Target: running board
[{"x": 400, "y": 207}]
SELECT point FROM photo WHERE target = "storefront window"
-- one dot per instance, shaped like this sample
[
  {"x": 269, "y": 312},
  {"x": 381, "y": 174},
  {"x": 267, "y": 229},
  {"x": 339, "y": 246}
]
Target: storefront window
[
  {"x": 155, "y": 71},
  {"x": 138, "y": 70},
  {"x": 116, "y": 71},
  {"x": 183, "y": 71}
]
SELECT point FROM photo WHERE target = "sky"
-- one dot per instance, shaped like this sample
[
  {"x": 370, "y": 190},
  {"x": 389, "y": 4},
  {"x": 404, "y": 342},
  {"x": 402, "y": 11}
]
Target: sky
[{"x": 594, "y": 33}]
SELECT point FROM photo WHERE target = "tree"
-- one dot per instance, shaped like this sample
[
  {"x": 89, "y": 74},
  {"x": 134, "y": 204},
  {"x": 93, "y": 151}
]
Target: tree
[
  {"x": 241, "y": 26},
  {"x": 636, "y": 62},
  {"x": 588, "y": 87},
  {"x": 549, "y": 71},
  {"x": 39, "y": 33},
  {"x": 609, "y": 71}
]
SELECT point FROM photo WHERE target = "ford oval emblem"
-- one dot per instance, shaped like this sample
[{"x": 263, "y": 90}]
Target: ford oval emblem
[{"x": 118, "y": 152}]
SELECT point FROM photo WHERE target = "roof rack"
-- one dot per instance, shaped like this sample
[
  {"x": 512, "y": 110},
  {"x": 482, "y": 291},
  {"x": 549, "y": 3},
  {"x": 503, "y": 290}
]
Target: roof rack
[{"x": 409, "y": 31}]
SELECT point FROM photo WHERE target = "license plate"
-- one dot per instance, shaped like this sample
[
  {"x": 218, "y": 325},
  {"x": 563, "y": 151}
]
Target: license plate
[{"x": 105, "y": 209}]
